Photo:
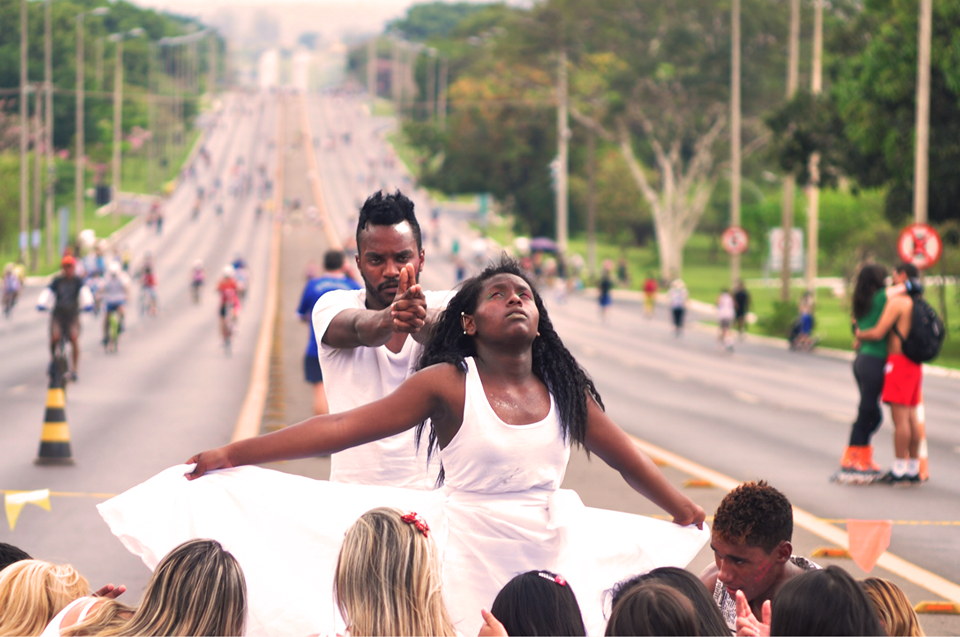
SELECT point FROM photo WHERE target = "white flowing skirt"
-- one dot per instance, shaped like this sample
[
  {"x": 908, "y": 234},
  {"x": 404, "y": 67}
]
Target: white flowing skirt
[{"x": 286, "y": 532}]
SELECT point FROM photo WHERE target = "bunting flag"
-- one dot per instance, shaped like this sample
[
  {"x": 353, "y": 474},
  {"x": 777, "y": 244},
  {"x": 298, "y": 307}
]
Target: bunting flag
[
  {"x": 14, "y": 502},
  {"x": 868, "y": 540}
]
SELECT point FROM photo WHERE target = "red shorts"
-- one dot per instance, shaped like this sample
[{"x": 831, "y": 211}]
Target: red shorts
[{"x": 901, "y": 381}]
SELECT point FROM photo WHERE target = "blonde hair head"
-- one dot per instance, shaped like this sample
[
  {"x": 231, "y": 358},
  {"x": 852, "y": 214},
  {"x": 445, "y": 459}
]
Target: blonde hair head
[
  {"x": 32, "y": 592},
  {"x": 387, "y": 580},
  {"x": 894, "y": 609},
  {"x": 197, "y": 589}
]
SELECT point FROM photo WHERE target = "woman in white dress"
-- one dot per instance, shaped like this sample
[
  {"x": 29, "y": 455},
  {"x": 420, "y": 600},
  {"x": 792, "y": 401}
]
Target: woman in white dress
[{"x": 504, "y": 400}]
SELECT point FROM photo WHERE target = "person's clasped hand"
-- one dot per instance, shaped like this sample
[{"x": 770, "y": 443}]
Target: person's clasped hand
[{"x": 747, "y": 623}]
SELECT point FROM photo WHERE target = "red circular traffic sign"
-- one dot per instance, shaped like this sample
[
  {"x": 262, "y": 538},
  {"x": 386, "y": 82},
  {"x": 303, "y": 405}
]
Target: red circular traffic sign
[
  {"x": 920, "y": 245},
  {"x": 735, "y": 240}
]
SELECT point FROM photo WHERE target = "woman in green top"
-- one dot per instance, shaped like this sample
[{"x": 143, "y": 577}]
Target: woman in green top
[{"x": 869, "y": 298}]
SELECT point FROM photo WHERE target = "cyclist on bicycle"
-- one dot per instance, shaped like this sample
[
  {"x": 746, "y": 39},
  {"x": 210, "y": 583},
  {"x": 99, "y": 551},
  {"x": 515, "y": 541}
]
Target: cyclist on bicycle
[
  {"x": 241, "y": 274},
  {"x": 114, "y": 295},
  {"x": 148, "y": 285},
  {"x": 197, "y": 277},
  {"x": 67, "y": 290},
  {"x": 11, "y": 288},
  {"x": 229, "y": 301}
]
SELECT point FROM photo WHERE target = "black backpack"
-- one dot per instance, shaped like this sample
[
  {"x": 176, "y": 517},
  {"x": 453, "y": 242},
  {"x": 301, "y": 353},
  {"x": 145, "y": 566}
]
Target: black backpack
[{"x": 926, "y": 335}]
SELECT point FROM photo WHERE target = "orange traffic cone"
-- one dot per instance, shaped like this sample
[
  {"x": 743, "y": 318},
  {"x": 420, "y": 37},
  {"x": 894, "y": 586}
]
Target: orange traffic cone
[{"x": 55, "y": 438}]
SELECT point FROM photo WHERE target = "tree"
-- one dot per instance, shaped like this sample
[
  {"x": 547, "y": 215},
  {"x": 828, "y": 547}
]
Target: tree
[
  {"x": 863, "y": 126},
  {"x": 655, "y": 83},
  {"x": 432, "y": 20}
]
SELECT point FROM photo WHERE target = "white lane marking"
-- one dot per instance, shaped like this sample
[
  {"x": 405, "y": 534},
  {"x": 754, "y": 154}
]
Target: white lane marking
[
  {"x": 745, "y": 397},
  {"x": 930, "y": 581}
]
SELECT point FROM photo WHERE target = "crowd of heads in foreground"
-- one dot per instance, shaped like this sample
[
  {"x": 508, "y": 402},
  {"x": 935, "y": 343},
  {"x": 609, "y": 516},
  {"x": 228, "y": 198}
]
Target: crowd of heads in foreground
[{"x": 388, "y": 582}]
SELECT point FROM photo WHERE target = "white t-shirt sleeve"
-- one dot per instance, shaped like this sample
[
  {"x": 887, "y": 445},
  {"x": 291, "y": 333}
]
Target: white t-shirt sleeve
[{"x": 330, "y": 305}]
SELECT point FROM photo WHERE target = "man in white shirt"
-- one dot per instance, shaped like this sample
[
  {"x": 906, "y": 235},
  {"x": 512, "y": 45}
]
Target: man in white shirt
[{"x": 370, "y": 340}]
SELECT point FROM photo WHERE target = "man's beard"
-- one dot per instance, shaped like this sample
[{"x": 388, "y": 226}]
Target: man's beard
[{"x": 378, "y": 293}]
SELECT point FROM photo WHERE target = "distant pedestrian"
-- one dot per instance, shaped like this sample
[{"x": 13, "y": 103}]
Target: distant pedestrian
[
  {"x": 741, "y": 300},
  {"x": 649, "y": 294},
  {"x": 678, "y": 304},
  {"x": 726, "y": 310},
  {"x": 805, "y": 338},
  {"x": 606, "y": 284},
  {"x": 334, "y": 278}
]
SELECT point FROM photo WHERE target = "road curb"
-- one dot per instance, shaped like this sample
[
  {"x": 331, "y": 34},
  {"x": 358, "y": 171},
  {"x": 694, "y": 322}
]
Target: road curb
[{"x": 251, "y": 414}]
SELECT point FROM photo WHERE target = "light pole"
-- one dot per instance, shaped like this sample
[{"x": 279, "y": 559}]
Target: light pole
[
  {"x": 117, "y": 114},
  {"x": 563, "y": 137},
  {"x": 431, "y": 84},
  {"x": 48, "y": 141},
  {"x": 24, "y": 132},
  {"x": 921, "y": 162},
  {"x": 80, "y": 160},
  {"x": 735, "y": 150}
]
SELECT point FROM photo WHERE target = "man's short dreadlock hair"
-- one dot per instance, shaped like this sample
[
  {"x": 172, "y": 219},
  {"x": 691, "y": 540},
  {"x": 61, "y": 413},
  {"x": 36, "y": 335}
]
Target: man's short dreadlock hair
[
  {"x": 754, "y": 514},
  {"x": 388, "y": 210}
]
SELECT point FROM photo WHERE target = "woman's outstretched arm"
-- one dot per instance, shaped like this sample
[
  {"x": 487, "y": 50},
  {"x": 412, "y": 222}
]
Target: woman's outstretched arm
[
  {"x": 419, "y": 397},
  {"x": 615, "y": 447}
]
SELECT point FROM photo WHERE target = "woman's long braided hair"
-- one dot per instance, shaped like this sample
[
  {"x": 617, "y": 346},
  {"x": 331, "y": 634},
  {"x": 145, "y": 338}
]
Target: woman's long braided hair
[{"x": 552, "y": 362}]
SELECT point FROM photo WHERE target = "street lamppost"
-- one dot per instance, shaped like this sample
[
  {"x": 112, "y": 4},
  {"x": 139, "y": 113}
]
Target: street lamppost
[
  {"x": 80, "y": 163},
  {"x": 117, "y": 113},
  {"x": 24, "y": 132}
]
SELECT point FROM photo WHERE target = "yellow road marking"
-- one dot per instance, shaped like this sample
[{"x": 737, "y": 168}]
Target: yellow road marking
[
  {"x": 248, "y": 424},
  {"x": 815, "y": 525}
]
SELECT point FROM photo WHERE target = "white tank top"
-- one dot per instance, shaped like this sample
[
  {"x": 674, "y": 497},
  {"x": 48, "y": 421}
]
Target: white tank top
[
  {"x": 489, "y": 456},
  {"x": 53, "y": 628}
]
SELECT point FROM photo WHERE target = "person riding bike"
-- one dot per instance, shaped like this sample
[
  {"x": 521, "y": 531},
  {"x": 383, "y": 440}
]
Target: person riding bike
[
  {"x": 11, "y": 288},
  {"x": 241, "y": 274},
  {"x": 229, "y": 302},
  {"x": 69, "y": 298},
  {"x": 148, "y": 284},
  {"x": 114, "y": 296},
  {"x": 197, "y": 277}
]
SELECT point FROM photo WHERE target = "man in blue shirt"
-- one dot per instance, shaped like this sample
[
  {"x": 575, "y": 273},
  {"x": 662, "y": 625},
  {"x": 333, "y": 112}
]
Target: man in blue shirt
[{"x": 334, "y": 277}]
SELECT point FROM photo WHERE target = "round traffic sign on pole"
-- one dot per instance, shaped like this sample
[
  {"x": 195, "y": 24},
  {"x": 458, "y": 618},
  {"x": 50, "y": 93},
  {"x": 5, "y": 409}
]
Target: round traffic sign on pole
[
  {"x": 920, "y": 245},
  {"x": 735, "y": 240}
]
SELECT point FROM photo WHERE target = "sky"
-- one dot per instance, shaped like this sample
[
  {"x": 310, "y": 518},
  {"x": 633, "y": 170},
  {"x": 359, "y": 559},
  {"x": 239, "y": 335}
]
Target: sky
[{"x": 334, "y": 19}]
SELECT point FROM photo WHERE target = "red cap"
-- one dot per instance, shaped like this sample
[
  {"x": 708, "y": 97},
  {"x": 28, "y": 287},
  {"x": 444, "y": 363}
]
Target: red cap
[{"x": 68, "y": 260}]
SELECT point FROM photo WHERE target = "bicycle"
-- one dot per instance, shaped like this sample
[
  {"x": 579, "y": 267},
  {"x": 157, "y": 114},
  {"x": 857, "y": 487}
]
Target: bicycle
[
  {"x": 229, "y": 326},
  {"x": 9, "y": 300},
  {"x": 60, "y": 364},
  {"x": 195, "y": 287},
  {"x": 148, "y": 302},
  {"x": 112, "y": 336}
]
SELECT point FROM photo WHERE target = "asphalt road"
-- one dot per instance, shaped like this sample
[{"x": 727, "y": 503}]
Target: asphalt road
[{"x": 760, "y": 412}]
